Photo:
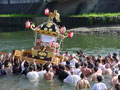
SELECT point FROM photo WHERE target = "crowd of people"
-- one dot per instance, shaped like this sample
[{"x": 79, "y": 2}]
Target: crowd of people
[{"x": 78, "y": 69}]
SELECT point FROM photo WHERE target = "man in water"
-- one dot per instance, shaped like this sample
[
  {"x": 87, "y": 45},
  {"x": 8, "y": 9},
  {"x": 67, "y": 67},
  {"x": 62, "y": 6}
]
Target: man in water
[
  {"x": 100, "y": 85},
  {"x": 83, "y": 83},
  {"x": 95, "y": 74},
  {"x": 48, "y": 75},
  {"x": 107, "y": 70},
  {"x": 72, "y": 79},
  {"x": 114, "y": 79},
  {"x": 77, "y": 69},
  {"x": 40, "y": 71},
  {"x": 73, "y": 60},
  {"x": 86, "y": 70},
  {"x": 32, "y": 75},
  {"x": 62, "y": 73}
]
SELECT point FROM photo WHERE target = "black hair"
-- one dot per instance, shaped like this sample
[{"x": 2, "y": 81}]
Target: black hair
[
  {"x": 62, "y": 67},
  {"x": 99, "y": 78},
  {"x": 17, "y": 65},
  {"x": 114, "y": 57},
  {"x": 88, "y": 58},
  {"x": 104, "y": 61},
  {"x": 118, "y": 77},
  {"x": 78, "y": 52},
  {"x": 96, "y": 64},
  {"x": 118, "y": 65},
  {"x": 82, "y": 75},
  {"x": 77, "y": 65},
  {"x": 68, "y": 62},
  {"x": 31, "y": 68},
  {"x": 91, "y": 66},
  {"x": 81, "y": 51},
  {"x": 67, "y": 66},
  {"x": 55, "y": 67},
  {"x": 117, "y": 87},
  {"x": 39, "y": 67},
  {"x": 85, "y": 64},
  {"x": 96, "y": 69},
  {"x": 13, "y": 51},
  {"x": 98, "y": 60},
  {"x": 26, "y": 64},
  {"x": 45, "y": 66},
  {"x": 116, "y": 71},
  {"x": 89, "y": 62},
  {"x": 47, "y": 69},
  {"x": 81, "y": 64},
  {"x": 115, "y": 54}
]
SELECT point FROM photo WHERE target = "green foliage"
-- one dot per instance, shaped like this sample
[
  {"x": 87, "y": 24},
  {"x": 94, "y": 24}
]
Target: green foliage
[
  {"x": 97, "y": 15},
  {"x": 100, "y": 18},
  {"x": 19, "y": 15},
  {"x": 90, "y": 20}
]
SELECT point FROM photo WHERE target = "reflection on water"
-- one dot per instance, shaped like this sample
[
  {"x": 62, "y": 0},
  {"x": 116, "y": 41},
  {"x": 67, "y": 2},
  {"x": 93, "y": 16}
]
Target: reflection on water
[
  {"x": 24, "y": 40},
  {"x": 89, "y": 44}
]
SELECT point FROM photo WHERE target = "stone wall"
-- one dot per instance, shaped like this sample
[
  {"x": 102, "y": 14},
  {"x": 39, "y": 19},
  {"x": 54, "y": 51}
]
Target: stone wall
[
  {"x": 87, "y": 6},
  {"x": 13, "y": 24}
]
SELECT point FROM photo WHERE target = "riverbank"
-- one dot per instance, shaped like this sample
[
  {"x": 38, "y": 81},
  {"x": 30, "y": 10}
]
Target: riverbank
[
  {"x": 98, "y": 30},
  {"x": 104, "y": 23}
]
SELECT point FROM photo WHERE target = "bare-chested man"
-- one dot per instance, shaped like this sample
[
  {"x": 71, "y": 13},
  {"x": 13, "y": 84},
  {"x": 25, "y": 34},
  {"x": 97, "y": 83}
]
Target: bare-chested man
[
  {"x": 107, "y": 70},
  {"x": 83, "y": 83},
  {"x": 86, "y": 70},
  {"x": 115, "y": 80},
  {"x": 95, "y": 74},
  {"x": 48, "y": 75}
]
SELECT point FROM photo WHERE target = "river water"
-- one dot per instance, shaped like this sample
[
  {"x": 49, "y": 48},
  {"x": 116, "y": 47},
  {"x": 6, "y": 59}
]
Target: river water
[{"x": 24, "y": 40}]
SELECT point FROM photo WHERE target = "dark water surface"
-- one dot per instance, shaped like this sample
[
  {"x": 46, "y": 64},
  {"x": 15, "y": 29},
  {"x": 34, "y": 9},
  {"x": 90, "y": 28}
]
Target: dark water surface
[{"x": 24, "y": 40}]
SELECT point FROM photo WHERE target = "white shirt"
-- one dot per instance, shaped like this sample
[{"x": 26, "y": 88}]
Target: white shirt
[
  {"x": 72, "y": 62},
  {"x": 32, "y": 76},
  {"x": 41, "y": 74},
  {"x": 22, "y": 66},
  {"x": 77, "y": 71},
  {"x": 72, "y": 79},
  {"x": 102, "y": 67},
  {"x": 99, "y": 86},
  {"x": 68, "y": 72},
  {"x": 63, "y": 63}
]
